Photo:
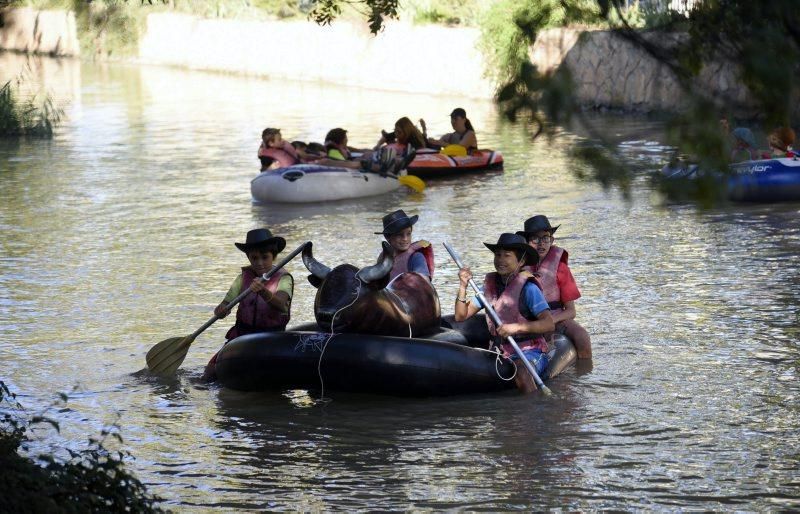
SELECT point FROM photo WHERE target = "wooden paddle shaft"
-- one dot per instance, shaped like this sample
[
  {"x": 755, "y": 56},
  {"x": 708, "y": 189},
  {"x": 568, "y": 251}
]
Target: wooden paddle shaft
[
  {"x": 490, "y": 310},
  {"x": 266, "y": 276}
]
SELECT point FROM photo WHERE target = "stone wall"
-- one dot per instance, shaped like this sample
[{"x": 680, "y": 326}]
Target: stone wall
[
  {"x": 42, "y": 32},
  {"x": 609, "y": 71}
]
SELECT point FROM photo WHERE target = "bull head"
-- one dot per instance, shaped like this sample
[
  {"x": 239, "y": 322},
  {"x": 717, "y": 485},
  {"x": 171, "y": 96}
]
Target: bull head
[{"x": 353, "y": 300}]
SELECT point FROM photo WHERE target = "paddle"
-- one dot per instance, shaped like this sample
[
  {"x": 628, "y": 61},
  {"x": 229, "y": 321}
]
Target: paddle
[
  {"x": 165, "y": 357},
  {"x": 412, "y": 181},
  {"x": 490, "y": 310}
]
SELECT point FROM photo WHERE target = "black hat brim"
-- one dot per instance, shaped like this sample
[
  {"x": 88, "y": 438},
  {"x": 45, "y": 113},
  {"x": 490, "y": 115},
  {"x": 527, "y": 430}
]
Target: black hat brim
[
  {"x": 279, "y": 242},
  {"x": 526, "y": 235},
  {"x": 531, "y": 255},
  {"x": 408, "y": 222}
]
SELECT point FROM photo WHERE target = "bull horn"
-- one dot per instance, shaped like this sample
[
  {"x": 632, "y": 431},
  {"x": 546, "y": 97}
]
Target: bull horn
[
  {"x": 380, "y": 270},
  {"x": 316, "y": 268}
]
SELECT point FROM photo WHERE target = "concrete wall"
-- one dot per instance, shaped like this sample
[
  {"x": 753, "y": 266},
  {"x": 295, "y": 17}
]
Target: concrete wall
[
  {"x": 44, "y": 32},
  {"x": 424, "y": 59}
]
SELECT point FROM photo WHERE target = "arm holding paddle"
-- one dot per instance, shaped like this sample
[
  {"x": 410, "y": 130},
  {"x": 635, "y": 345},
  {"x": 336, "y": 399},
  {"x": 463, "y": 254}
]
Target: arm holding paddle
[
  {"x": 279, "y": 300},
  {"x": 165, "y": 357},
  {"x": 466, "y": 276}
]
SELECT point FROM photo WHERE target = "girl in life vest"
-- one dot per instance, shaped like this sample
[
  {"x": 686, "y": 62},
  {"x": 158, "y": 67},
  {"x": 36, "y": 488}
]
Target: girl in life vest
[
  {"x": 266, "y": 308},
  {"x": 416, "y": 256},
  {"x": 520, "y": 304},
  {"x": 405, "y": 138},
  {"x": 275, "y": 152},
  {"x": 558, "y": 284},
  {"x": 461, "y": 141}
]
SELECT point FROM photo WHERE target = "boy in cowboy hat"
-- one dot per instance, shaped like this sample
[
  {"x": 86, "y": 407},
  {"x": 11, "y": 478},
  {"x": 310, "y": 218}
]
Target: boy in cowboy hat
[
  {"x": 266, "y": 308},
  {"x": 558, "y": 284},
  {"x": 516, "y": 296},
  {"x": 416, "y": 256}
]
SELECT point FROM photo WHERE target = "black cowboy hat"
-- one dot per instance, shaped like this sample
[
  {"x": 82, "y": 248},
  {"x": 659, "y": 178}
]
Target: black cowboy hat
[
  {"x": 396, "y": 221},
  {"x": 508, "y": 241},
  {"x": 537, "y": 224},
  {"x": 261, "y": 237}
]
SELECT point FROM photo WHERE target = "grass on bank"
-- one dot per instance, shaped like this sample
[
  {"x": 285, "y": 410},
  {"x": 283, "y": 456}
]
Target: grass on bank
[
  {"x": 90, "y": 480},
  {"x": 34, "y": 117}
]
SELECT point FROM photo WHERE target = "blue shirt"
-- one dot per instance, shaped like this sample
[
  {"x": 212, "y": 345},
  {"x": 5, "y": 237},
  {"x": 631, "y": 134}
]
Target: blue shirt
[
  {"x": 534, "y": 299},
  {"x": 419, "y": 264}
]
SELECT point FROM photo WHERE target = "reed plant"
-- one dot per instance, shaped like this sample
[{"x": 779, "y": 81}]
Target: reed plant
[{"x": 32, "y": 117}]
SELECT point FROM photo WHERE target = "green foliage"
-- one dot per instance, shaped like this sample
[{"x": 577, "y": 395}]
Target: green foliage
[
  {"x": 91, "y": 480},
  {"x": 375, "y": 11},
  {"x": 34, "y": 117},
  {"x": 468, "y": 13}
]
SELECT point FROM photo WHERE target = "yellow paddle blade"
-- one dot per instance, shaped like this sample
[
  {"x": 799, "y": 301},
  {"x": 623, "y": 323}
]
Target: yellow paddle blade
[
  {"x": 165, "y": 357},
  {"x": 413, "y": 182}
]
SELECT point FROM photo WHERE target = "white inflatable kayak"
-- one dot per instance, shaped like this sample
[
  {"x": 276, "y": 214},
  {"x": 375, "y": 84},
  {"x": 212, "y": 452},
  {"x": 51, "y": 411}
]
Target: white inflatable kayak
[{"x": 312, "y": 183}]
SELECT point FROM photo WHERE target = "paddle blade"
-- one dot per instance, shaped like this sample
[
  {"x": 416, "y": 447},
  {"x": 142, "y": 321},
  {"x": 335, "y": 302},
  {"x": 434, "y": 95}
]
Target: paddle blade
[
  {"x": 165, "y": 357},
  {"x": 413, "y": 182}
]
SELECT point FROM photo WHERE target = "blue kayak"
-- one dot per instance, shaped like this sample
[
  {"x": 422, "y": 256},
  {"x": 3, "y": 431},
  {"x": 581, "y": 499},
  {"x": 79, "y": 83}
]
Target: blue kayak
[{"x": 769, "y": 180}]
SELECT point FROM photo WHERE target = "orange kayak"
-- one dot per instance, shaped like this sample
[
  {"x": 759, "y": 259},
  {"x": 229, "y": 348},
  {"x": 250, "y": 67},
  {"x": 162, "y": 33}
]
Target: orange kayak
[{"x": 430, "y": 164}]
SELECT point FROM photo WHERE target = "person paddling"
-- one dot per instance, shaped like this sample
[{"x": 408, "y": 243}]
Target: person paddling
[
  {"x": 416, "y": 256},
  {"x": 267, "y": 308},
  {"x": 518, "y": 299},
  {"x": 458, "y": 143},
  {"x": 558, "y": 284}
]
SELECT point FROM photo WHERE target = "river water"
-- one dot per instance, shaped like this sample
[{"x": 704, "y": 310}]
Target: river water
[{"x": 119, "y": 233}]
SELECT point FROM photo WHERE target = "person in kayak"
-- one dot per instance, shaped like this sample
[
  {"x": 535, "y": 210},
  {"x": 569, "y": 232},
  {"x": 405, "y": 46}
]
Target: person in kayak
[
  {"x": 744, "y": 145},
  {"x": 406, "y": 136},
  {"x": 520, "y": 304},
  {"x": 275, "y": 152},
  {"x": 267, "y": 307},
  {"x": 558, "y": 284},
  {"x": 414, "y": 256},
  {"x": 383, "y": 162},
  {"x": 463, "y": 135},
  {"x": 780, "y": 143}
]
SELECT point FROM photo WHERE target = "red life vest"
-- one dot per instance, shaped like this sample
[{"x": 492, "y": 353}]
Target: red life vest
[
  {"x": 285, "y": 156},
  {"x": 547, "y": 273},
  {"x": 508, "y": 306},
  {"x": 401, "y": 260},
  {"x": 254, "y": 313}
]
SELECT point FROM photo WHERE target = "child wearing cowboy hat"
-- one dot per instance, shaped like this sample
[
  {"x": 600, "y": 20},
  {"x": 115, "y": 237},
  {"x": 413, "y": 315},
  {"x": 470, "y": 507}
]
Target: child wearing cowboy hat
[
  {"x": 517, "y": 297},
  {"x": 558, "y": 284},
  {"x": 416, "y": 256},
  {"x": 266, "y": 308}
]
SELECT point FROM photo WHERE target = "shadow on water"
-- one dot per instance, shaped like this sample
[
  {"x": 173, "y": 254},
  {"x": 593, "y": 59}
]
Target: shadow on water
[{"x": 392, "y": 453}]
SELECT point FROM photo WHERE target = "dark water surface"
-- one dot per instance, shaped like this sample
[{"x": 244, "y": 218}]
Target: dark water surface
[{"x": 119, "y": 233}]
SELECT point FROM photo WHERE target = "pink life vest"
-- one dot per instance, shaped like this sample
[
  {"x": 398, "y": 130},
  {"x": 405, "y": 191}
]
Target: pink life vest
[
  {"x": 547, "y": 273},
  {"x": 254, "y": 313},
  {"x": 508, "y": 306},
  {"x": 285, "y": 156},
  {"x": 401, "y": 260}
]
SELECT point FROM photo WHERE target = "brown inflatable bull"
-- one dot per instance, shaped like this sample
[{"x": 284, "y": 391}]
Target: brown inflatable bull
[{"x": 366, "y": 302}]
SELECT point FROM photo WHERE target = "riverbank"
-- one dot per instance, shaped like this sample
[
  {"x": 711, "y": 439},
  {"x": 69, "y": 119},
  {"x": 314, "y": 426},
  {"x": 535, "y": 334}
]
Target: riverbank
[{"x": 608, "y": 72}]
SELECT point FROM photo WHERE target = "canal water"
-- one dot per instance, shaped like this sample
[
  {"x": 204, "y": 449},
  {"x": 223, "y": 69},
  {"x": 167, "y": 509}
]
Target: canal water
[{"x": 119, "y": 233}]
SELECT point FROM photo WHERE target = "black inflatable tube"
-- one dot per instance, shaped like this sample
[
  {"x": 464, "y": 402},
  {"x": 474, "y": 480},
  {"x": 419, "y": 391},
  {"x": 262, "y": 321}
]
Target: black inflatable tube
[{"x": 365, "y": 363}]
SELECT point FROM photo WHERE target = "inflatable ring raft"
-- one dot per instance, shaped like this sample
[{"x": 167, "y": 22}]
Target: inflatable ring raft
[
  {"x": 769, "y": 180},
  {"x": 303, "y": 183},
  {"x": 432, "y": 164},
  {"x": 441, "y": 365}
]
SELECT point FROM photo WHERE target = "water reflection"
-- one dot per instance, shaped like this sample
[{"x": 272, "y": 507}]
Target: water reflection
[{"x": 119, "y": 233}]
